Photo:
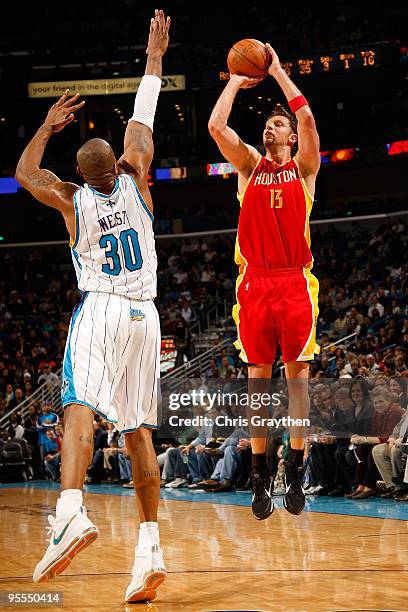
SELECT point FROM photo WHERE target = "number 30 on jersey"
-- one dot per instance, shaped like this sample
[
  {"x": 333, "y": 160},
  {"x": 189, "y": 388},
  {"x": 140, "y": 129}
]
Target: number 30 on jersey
[{"x": 129, "y": 245}]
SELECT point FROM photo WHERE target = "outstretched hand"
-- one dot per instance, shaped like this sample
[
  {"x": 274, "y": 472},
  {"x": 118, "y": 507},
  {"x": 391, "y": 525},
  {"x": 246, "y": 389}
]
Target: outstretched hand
[
  {"x": 275, "y": 63},
  {"x": 245, "y": 82},
  {"x": 158, "y": 34},
  {"x": 62, "y": 112}
]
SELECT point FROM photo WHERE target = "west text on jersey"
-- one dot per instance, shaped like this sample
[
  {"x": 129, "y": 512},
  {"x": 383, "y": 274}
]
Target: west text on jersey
[{"x": 110, "y": 221}]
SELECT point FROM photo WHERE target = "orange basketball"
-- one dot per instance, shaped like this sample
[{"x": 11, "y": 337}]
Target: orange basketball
[{"x": 249, "y": 57}]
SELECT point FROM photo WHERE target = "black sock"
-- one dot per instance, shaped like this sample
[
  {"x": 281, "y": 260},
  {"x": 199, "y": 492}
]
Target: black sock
[
  {"x": 296, "y": 456},
  {"x": 259, "y": 463}
]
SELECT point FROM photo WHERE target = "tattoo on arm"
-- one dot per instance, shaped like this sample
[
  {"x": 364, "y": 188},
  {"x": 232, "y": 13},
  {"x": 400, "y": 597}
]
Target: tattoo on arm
[
  {"x": 67, "y": 189},
  {"x": 86, "y": 439},
  {"x": 139, "y": 141},
  {"x": 43, "y": 178}
]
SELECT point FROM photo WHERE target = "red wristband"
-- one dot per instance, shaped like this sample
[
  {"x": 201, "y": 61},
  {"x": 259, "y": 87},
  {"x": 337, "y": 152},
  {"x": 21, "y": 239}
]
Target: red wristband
[{"x": 297, "y": 103}]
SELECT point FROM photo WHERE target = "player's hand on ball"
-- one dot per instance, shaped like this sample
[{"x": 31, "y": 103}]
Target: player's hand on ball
[
  {"x": 245, "y": 82},
  {"x": 62, "y": 112},
  {"x": 275, "y": 63},
  {"x": 158, "y": 34}
]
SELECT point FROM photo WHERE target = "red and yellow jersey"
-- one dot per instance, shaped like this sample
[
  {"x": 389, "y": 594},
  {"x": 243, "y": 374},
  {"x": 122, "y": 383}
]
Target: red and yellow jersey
[{"x": 273, "y": 228}]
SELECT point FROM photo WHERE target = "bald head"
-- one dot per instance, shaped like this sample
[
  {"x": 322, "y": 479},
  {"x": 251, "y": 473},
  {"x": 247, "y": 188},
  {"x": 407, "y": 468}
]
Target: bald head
[{"x": 95, "y": 158}]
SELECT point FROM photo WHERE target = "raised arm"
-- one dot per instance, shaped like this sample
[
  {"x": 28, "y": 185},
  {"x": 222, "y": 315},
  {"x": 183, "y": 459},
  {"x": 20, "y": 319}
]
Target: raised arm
[
  {"x": 237, "y": 152},
  {"x": 308, "y": 138},
  {"x": 44, "y": 185},
  {"x": 138, "y": 146}
]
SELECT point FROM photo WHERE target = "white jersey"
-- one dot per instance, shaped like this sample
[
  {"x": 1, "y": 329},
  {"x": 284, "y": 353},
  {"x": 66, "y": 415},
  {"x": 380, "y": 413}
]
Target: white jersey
[{"x": 114, "y": 249}]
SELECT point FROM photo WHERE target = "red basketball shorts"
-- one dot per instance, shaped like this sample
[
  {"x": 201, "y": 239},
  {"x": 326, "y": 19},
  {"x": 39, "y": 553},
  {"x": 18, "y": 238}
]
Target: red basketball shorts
[{"x": 276, "y": 307}]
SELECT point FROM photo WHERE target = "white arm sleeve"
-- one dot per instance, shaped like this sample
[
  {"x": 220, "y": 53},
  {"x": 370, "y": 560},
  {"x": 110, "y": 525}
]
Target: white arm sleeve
[{"x": 146, "y": 100}]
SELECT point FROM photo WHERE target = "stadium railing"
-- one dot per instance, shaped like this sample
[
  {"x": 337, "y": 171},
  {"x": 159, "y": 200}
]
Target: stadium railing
[
  {"x": 195, "y": 367},
  {"x": 199, "y": 363},
  {"x": 44, "y": 393}
]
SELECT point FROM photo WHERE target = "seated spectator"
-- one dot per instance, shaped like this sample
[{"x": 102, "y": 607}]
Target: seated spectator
[
  {"x": 16, "y": 399},
  {"x": 398, "y": 387},
  {"x": 376, "y": 309},
  {"x": 125, "y": 469},
  {"x": 229, "y": 463},
  {"x": 187, "y": 312},
  {"x": 46, "y": 420},
  {"x": 212, "y": 370},
  {"x": 111, "y": 455},
  {"x": 31, "y": 435},
  {"x": 4, "y": 436},
  {"x": 182, "y": 341},
  {"x": 343, "y": 470},
  {"x": 321, "y": 461},
  {"x": 48, "y": 377},
  {"x": 95, "y": 471},
  {"x": 386, "y": 415},
  {"x": 388, "y": 458},
  {"x": 9, "y": 393},
  {"x": 175, "y": 470},
  {"x": 16, "y": 430},
  {"x": 372, "y": 365},
  {"x": 200, "y": 464},
  {"x": 226, "y": 369},
  {"x": 51, "y": 455}
]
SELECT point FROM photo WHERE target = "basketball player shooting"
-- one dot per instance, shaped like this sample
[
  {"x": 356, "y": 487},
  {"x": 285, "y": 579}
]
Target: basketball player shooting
[
  {"x": 276, "y": 291},
  {"x": 112, "y": 355}
]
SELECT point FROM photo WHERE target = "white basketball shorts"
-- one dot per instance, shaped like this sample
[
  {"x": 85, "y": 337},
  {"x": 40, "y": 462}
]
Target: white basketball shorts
[{"x": 112, "y": 359}]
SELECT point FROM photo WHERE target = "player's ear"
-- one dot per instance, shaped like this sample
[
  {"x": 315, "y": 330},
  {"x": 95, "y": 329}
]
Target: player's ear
[
  {"x": 79, "y": 171},
  {"x": 292, "y": 139}
]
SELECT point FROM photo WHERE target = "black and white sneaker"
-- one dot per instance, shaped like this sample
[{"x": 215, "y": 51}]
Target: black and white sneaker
[
  {"x": 294, "y": 498},
  {"x": 262, "y": 487}
]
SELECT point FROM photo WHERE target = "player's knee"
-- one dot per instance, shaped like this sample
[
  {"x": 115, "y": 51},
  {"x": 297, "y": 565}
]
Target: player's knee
[
  {"x": 138, "y": 438},
  {"x": 76, "y": 415},
  {"x": 297, "y": 369}
]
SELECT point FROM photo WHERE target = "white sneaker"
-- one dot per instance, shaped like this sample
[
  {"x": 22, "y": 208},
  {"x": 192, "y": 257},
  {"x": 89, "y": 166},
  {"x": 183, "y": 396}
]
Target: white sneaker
[
  {"x": 69, "y": 535},
  {"x": 147, "y": 575},
  {"x": 179, "y": 482}
]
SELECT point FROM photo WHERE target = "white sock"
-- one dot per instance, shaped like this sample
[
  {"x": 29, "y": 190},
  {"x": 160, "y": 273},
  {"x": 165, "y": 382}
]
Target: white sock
[
  {"x": 69, "y": 503},
  {"x": 148, "y": 536}
]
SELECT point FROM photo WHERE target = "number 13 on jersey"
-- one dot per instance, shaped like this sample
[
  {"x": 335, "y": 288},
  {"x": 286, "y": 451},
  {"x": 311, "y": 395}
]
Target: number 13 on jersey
[{"x": 276, "y": 198}]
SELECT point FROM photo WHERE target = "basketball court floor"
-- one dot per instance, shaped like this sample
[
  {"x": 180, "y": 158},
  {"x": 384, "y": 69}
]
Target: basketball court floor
[{"x": 338, "y": 555}]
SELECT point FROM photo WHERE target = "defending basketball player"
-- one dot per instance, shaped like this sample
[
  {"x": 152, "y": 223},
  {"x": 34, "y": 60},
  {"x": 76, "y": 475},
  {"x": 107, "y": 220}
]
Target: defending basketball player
[
  {"x": 112, "y": 355},
  {"x": 276, "y": 291}
]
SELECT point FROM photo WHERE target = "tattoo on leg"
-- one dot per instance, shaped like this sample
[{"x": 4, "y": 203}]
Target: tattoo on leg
[
  {"x": 86, "y": 439},
  {"x": 151, "y": 474}
]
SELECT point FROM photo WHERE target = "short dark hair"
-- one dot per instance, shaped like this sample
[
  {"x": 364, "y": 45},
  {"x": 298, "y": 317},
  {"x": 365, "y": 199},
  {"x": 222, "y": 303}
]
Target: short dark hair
[{"x": 282, "y": 112}]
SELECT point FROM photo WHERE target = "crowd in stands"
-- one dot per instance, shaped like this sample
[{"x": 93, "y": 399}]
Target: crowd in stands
[
  {"x": 357, "y": 443},
  {"x": 363, "y": 295}
]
